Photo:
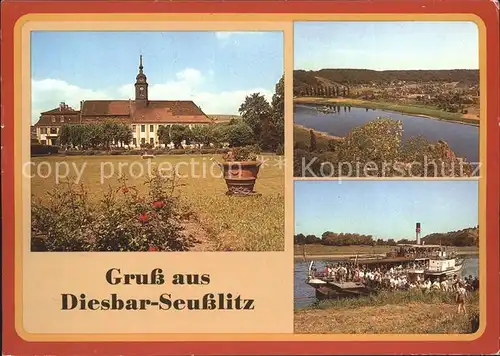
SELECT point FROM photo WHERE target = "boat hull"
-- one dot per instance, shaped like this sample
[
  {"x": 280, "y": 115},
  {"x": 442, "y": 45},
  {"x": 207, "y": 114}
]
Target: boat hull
[
  {"x": 456, "y": 270},
  {"x": 332, "y": 290}
]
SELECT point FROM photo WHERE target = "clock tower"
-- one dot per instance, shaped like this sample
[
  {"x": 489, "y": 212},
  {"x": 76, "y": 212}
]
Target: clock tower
[{"x": 141, "y": 87}]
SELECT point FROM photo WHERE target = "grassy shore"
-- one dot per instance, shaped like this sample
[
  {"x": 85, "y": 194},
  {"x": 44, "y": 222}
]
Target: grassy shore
[
  {"x": 322, "y": 251},
  {"x": 402, "y": 312},
  {"x": 254, "y": 223},
  {"x": 416, "y": 110}
]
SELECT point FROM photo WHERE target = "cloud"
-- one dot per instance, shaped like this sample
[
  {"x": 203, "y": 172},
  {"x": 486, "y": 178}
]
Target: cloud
[
  {"x": 46, "y": 94},
  {"x": 188, "y": 85},
  {"x": 224, "y": 35}
]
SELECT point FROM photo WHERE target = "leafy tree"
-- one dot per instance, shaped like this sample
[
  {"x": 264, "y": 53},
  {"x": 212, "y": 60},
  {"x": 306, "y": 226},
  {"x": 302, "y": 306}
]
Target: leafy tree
[
  {"x": 239, "y": 135},
  {"x": 164, "y": 135},
  {"x": 312, "y": 145},
  {"x": 277, "y": 122},
  {"x": 179, "y": 133}
]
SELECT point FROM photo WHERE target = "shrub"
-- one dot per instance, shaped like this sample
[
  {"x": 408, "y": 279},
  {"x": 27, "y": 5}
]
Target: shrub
[
  {"x": 208, "y": 151},
  {"x": 222, "y": 150},
  {"x": 124, "y": 220},
  {"x": 239, "y": 154}
]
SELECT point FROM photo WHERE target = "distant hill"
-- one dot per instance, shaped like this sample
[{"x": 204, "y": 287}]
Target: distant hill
[
  {"x": 341, "y": 77},
  {"x": 465, "y": 237}
]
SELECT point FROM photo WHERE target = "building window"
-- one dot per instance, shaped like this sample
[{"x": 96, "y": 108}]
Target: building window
[
  {"x": 143, "y": 128},
  {"x": 53, "y": 119},
  {"x": 152, "y": 140},
  {"x": 133, "y": 128},
  {"x": 143, "y": 141},
  {"x": 62, "y": 118},
  {"x": 134, "y": 141},
  {"x": 43, "y": 130},
  {"x": 44, "y": 142},
  {"x": 53, "y": 131},
  {"x": 151, "y": 128}
]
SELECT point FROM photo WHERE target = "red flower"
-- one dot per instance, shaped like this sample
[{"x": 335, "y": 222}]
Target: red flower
[
  {"x": 158, "y": 204},
  {"x": 125, "y": 190},
  {"x": 152, "y": 249},
  {"x": 143, "y": 218}
]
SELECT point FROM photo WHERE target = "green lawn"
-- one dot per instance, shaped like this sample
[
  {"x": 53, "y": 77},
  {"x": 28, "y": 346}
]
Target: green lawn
[
  {"x": 244, "y": 224},
  {"x": 318, "y": 250}
]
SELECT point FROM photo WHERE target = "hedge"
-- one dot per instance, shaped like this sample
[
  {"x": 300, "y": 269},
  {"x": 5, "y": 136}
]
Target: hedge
[{"x": 43, "y": 149}]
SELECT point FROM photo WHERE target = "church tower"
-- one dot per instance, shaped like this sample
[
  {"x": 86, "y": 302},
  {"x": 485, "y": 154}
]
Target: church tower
[{"x": 141, "y": 87}]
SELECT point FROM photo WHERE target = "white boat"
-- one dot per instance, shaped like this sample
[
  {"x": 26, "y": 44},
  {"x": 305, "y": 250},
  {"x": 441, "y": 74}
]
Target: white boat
[
  {"x": 438, "y": 266},
  {"x": 434, "y": 262}
]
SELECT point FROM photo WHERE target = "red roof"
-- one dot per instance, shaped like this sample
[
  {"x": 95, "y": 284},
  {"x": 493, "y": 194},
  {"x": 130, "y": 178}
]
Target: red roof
[
  {"x": 70, "y": 117},
  {"x": 157, "y": 111}
]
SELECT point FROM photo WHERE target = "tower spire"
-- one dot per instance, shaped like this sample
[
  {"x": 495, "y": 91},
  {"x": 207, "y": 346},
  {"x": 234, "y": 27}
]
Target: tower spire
[{"x": 140, "y": 64}]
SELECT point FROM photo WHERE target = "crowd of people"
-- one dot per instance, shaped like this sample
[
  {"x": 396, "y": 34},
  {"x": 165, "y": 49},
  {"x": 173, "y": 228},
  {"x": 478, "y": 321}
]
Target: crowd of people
[{"x": 401, "y": 277}]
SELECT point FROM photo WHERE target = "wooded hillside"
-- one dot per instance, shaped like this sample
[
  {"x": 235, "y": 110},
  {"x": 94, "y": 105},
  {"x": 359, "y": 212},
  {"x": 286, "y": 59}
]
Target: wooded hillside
[{"x": 332, "y": 77}]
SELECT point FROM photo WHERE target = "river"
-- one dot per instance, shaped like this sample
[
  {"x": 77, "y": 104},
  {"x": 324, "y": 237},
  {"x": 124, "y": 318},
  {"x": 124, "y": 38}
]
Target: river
[
  {"x": 304, "y": 294},
  {"x": 463, "y": 139}
]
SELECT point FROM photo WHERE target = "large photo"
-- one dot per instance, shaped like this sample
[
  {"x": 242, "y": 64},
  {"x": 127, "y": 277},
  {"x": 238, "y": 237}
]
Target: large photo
[{"x": 157, "y": 141}]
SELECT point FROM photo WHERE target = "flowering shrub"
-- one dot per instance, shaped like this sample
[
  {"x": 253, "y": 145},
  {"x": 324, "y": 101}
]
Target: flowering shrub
[{"x": 124, "y": 219}]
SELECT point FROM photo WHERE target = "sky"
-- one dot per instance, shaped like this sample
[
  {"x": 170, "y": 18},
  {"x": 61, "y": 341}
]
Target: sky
[
  {"x": 214, "y": 69},
  {"x": 386, "y": 45},
  {"x": 385, "y": 209}
]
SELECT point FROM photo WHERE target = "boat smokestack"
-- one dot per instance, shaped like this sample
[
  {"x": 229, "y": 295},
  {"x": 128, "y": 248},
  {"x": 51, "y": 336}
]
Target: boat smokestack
[{"x": 417, "y": 232}]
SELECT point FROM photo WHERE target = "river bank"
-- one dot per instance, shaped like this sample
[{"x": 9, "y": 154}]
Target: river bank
[
  {"x": 402, "y": 312},
  {"x": 425, "y": 112}
]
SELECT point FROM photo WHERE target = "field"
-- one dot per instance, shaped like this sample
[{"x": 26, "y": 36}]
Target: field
[
  {"x": 318, "y": 250},
  {"x": 224, "y": 223},
  {"x": 419, "y": 110},
  {"x": 402, "y": 312}
]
